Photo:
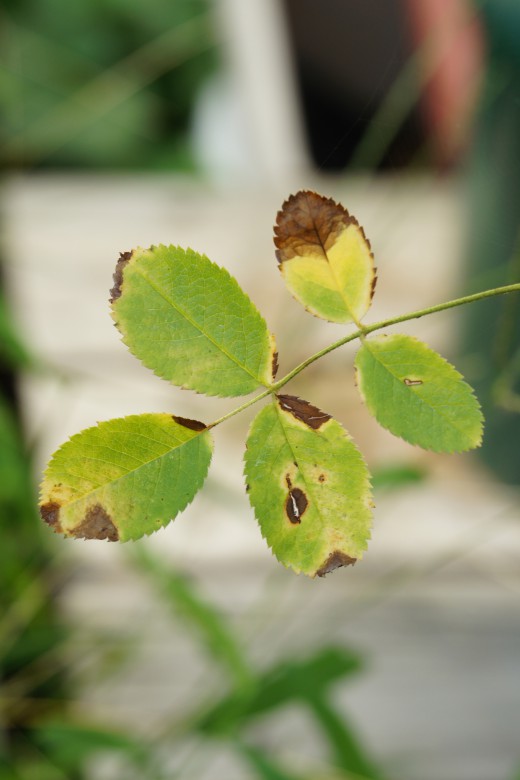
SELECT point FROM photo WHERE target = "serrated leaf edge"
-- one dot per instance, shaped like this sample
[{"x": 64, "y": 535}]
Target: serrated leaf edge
[{"x": 132, "y": 259}]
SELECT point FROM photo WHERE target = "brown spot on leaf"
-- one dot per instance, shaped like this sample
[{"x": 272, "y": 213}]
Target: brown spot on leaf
[
  {"x": 194, "y": 425},
  {"x": 303, "y": 410},
  {"x": 274, "y": 364},
  {"x": 412, "y": 382},
  {"x": 50, "y": 514},
  {"x": 97, "y": 524},
  {"x": 295, "y": 505},
  {"x": 335, "y": 561},
  {"x": 115, "y": 292},
  {"x": 322, "y": 478}
]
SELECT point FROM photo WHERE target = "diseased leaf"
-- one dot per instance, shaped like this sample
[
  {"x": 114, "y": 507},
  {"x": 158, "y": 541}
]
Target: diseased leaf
[
  {"x": 309, "y": 487},
  {"x": 417, "y": 395},
  {"x": 325, "y": 257},
  {"x": 125, "y": 478},
  {"x": 189, "y": 321}
]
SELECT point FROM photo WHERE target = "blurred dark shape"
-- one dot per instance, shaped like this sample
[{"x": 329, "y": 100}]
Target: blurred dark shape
[
  {"x": 448, "y": 39},
  {"x": 347, "y": 56},
  {"x": 492, "y": 328},
  {"x": 107, "y": 84}
]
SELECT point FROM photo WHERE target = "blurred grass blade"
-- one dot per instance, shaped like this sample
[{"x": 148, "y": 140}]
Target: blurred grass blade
[
  {"x": 285, "y": 683},
  {"x": 262, "y": 765},
  {"x": 73, "y": 743},
  {"x": 347, "y": 751},
  {"x": 181, "y": 596}
]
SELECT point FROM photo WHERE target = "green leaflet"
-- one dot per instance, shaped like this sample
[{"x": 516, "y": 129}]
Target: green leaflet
[
  {"x": 417, "y": 395},
  {"x": 190, "y": 322},
  {"x": 309, "y": 487},
  {"x": 125, "y": 478},
  {"x": 324, "y": 257}
]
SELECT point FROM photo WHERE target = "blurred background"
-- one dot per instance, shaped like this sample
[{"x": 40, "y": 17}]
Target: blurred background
[{"x": 194, "y": 654}]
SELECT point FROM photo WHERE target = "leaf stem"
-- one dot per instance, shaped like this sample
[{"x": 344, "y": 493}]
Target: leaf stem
[
  {"x": 414, "y": 315},
  {"x": 364, "y": 331},
  {"x": 239, "y": 409}
]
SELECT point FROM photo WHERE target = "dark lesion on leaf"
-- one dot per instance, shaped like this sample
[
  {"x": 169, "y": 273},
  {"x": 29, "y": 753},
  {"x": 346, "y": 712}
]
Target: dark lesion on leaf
[
  {"x": 124, "y": 259},
  {"x": 97, "y": 524},
  {"x": 50, "y": 514},
  {"x": 303, "y": 410},
  {"x": 335, "y": 561},
  {"x": 412, "y": 382},
  {"x": 274, "y": 364},
  {"x": 295, "y": 505},
  {"x": 322, "y": 478},
  {"x": 308, "y": 219},
  {"x": 374, "y": 278},
  {"x": 194, "y": 425}
]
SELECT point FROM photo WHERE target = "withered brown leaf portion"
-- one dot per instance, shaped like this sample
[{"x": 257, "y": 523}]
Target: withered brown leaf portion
[
  {"x": 308, "y": 220},
  {"x": 303, "y": 410},
  {"x": 124, "y": 259}
]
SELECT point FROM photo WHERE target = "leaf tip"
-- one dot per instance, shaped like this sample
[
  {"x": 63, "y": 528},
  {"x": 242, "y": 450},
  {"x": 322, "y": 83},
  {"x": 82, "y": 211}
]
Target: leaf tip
[
  {"x": 97, "y": 524},
  {"x": 335, "y": 560}
]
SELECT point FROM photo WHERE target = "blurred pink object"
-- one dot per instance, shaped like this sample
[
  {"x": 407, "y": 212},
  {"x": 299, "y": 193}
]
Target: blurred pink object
[{"x": 449, "y": 39}]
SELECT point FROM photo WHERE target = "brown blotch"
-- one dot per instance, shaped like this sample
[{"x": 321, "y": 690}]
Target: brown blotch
[
  {"x": 308, "y": 220},
  {"x": 412, "y": 382},
  {"x": 374, "y": 278},
  {"x": 194, "y": 425},
  {"x": 124, "y": 259},
  {"x": 50, "y": 514},
  {"x": 295, "y": 505},
  {"x": 274, "y": 364},
  {"x": 335, "y": 561},
  {"x": 248, "y": 487},
  {"x": 303, "y": 410},
  {"x": 322, "y": 478},
  {"x": 97, "y": 524}
]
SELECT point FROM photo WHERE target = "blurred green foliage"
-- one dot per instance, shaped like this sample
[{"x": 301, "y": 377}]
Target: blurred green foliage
[
  {"x": 105, "y": 84},
  {"x": 492, "y": 330}
]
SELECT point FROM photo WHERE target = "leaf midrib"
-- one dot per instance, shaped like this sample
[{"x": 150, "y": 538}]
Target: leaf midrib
[
  {"x": 422, "y": 400},
  {"x": 195, "y": 325},
  {"x": 131, "y": 471},
  {"x": 280, "y": 413}
]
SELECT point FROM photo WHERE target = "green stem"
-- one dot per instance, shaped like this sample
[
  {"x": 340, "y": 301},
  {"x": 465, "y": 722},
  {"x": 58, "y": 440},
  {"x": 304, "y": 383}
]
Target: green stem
[
  {"x": 364, "y": 331},
  {"x": 239, "y": 409}
]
